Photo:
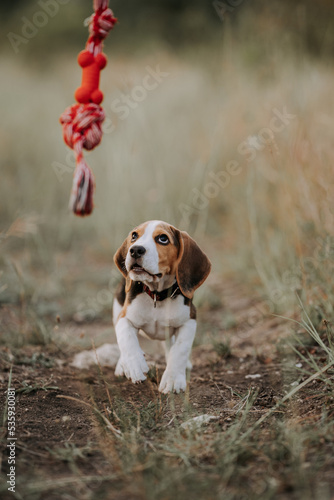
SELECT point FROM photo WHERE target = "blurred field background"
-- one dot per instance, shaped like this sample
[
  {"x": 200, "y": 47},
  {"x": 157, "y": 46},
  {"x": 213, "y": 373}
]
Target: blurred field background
[
  {"x": 233, "y": 144},
  {"x": 226, "y": 69}
]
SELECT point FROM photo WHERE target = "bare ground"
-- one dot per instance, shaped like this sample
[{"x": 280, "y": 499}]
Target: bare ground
[{"x": 65, "y": 450}]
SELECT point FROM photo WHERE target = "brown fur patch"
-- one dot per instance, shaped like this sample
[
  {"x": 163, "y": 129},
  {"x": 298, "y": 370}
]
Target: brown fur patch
[
  {"x": 168, "y": 254},
  {"x": 120, "y": 255},
  {"x": 194, "y": 266},
  {"x": 135, "y": 288},
  {"x": 193, "y": 312},
  {"x": 139, "y": 229}
]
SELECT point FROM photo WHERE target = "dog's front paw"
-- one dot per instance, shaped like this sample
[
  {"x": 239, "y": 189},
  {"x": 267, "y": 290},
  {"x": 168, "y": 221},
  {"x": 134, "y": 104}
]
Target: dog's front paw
[
  {"x": 133, "y": 367},
  {"x": 173, "y": 381}
]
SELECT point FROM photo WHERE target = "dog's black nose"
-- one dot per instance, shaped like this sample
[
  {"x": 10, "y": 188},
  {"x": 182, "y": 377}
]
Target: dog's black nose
[{"x": 137, "y": 251}]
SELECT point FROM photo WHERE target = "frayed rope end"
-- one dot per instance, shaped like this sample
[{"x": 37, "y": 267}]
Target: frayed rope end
[{"x": 81, "y": 199}]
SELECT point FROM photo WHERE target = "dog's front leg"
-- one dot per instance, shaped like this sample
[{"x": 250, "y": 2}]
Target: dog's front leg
[
  {"x": 174, "y": 377},
  {"x": 132, "y": 362},
  {"x": 167, "y": 345}
]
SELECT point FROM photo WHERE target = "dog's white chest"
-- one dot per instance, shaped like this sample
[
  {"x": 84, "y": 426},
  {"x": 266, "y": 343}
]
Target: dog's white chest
[{"x": 158, "y": 322}]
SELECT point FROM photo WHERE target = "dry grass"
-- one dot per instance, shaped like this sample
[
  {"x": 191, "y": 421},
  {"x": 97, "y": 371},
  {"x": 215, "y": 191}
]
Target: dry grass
[
  {"x": 192, "y": 124},
  {"x": 200, "y": 112},
  {"x": 271, "y": 226}
]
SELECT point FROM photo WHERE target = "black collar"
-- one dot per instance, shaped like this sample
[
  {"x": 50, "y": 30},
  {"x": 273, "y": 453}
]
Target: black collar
[{"x": 172, "y": 292}]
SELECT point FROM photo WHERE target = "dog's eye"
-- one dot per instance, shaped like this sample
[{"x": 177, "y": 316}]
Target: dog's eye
[
  {"x": 134, "y": 236},
  {"x": 162, "y": 239}
]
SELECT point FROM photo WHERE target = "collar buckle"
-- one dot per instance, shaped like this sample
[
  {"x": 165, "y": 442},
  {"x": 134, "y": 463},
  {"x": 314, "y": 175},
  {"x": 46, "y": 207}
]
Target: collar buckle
[{"x": 169, "y": 293}]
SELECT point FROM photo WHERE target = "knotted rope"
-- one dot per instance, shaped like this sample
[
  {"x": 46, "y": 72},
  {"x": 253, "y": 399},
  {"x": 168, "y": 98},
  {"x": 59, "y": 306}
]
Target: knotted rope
[{"x": 82, "y": 123}]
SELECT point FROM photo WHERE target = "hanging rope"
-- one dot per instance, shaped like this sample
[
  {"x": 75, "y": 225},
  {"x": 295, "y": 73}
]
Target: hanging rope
[{"x": 82, "y": 123}]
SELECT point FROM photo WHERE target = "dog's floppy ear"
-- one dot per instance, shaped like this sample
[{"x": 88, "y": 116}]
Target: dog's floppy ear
[
  {"x": 120, "y": 256},
  {"x": 194, "y": 266}
]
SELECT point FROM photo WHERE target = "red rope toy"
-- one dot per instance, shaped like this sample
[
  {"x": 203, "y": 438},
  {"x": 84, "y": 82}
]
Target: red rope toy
[{"x": 82, "y": 122}]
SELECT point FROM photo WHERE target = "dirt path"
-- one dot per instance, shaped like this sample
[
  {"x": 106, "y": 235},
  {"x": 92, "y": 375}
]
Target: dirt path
[{"x": 63, "y": 447}]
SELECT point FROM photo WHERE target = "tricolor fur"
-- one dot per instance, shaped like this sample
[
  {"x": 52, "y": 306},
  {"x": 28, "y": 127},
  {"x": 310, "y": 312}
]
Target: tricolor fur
[{"x": 158, "y": 260}]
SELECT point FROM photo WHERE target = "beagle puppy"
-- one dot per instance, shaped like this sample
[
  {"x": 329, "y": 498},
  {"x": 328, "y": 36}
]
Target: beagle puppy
[{"x": 162, "y": 267}]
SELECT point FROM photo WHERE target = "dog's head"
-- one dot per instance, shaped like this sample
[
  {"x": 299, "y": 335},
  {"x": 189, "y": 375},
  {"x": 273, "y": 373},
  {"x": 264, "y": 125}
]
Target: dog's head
[{"x": 155, "y": 250}]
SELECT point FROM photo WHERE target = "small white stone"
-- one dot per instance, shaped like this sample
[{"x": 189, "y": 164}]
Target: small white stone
[
  {"x": 107, "y": 354},
  {"x": 256, "y": 375},
  {"x": 195, "y": 422}
]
